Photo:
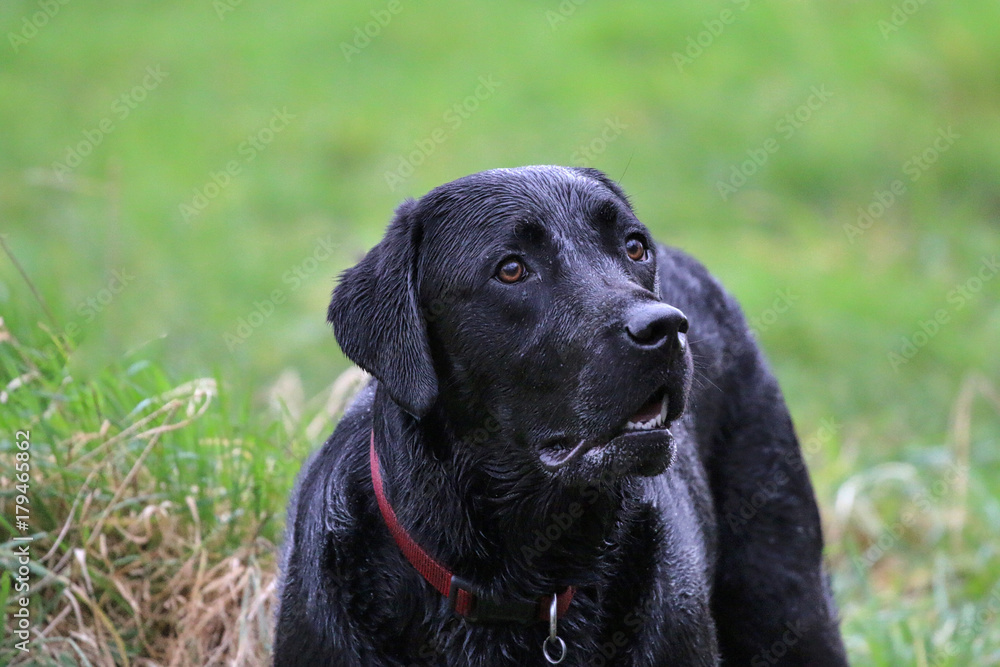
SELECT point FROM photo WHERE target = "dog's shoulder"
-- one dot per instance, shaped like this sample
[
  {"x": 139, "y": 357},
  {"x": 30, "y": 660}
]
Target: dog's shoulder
[
  {"x": 324, "y": 511},
  {"x": 320, "y": 503},
  {"x": 352, "y": 426}
]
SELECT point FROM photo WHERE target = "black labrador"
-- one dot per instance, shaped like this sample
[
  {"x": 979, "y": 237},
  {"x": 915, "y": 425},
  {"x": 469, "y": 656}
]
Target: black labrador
[{"x": 573, "y": 450}]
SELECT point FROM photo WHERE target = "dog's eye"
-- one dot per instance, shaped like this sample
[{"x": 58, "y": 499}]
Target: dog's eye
[
  {"x": 510, "y": 270},
  {"x": 636, "y": 248}
]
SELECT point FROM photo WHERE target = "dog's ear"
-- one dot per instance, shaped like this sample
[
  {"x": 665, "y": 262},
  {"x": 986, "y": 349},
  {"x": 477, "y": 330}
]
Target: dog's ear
[
  {"x": 604, "y": 180},
  {"x": 376, "y": 316}
]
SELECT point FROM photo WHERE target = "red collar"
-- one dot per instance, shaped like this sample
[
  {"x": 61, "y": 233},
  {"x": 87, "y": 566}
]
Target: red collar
[{"x": 458, "y": 591}]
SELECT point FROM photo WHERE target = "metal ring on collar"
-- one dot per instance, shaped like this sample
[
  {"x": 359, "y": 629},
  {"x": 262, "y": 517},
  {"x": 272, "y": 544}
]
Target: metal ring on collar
[{"x": 553, "y": 642}]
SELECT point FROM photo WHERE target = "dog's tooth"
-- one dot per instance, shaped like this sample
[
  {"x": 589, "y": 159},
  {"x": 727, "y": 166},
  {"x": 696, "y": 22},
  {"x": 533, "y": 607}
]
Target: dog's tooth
[
  {"x": 656, "y": 422},
  {"x": 664, "y": 408}
]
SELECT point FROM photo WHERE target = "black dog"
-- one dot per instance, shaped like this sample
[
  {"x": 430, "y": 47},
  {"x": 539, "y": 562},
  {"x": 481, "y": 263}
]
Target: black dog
[{"x": 513, "y": 458}]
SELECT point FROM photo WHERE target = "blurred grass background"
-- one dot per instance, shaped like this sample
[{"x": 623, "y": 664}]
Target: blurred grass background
[{"x": 670, "y": 99}]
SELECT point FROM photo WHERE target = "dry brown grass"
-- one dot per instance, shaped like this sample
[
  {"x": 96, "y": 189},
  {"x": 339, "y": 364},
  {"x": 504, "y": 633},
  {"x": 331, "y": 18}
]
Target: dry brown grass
[
  {"x": 152, "y": 583},
  {"x": 124, "y": 576},
  {"x": 126, "y": 569},
  {"x": 118, "y": 577}
]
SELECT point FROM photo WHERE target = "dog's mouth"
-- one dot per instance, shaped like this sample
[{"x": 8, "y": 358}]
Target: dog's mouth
[
  {"x": 651, "y": 420},
  {"x": 652, "y": 414}
]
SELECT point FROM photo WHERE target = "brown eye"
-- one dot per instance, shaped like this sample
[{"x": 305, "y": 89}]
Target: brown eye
[
  {"x": 635, "y": 248},
  {"x": 510, "y": 270}
]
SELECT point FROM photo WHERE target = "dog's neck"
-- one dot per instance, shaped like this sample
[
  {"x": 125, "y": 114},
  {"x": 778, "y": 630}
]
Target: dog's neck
[{"x": 511, "y": 529}]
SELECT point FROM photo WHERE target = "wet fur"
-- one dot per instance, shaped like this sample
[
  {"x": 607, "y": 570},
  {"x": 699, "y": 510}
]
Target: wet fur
[{"x": 666, "y": 570}]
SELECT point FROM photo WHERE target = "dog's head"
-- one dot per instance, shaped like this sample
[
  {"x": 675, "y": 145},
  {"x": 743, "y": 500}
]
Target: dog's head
[{"x": 526, "y": 300}]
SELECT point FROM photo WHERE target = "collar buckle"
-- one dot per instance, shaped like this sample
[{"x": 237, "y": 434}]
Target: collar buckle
[{"x": 479, "y": 609}]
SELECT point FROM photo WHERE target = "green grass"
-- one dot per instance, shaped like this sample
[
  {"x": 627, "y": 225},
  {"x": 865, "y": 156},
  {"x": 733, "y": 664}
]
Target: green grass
[{"x": 322, "y": 181}]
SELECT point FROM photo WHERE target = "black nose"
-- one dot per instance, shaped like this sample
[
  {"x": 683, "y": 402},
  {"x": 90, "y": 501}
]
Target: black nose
[{"x": 655, "y": 324}]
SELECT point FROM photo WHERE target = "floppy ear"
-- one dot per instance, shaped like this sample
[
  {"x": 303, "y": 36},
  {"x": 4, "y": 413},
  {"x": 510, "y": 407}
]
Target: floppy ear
[{"x": 377, "y": 320}]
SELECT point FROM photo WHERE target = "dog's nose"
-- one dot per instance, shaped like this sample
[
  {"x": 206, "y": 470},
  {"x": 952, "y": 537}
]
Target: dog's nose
[{"x": 655, "y": 324}]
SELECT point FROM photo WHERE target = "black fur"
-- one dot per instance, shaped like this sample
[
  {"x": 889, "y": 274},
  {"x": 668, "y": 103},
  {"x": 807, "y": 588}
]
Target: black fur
[{"x": 482, "y": 388}]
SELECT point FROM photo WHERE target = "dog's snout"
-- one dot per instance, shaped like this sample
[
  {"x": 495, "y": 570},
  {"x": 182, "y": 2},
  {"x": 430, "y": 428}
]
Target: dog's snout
[{"x": 655, "y": 324}]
